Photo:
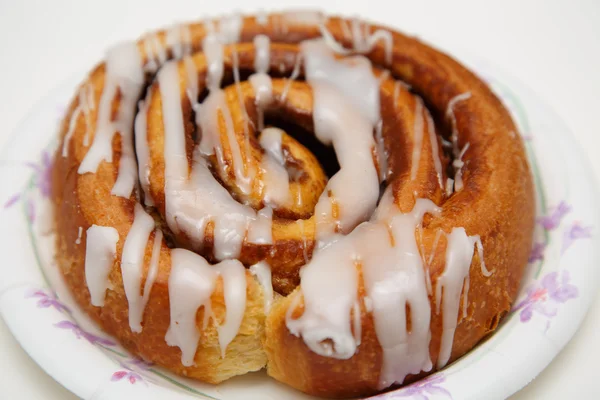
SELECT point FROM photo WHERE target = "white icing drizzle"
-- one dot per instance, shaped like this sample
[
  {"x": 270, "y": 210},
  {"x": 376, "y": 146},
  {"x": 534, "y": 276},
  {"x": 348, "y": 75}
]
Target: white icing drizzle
[
  {"x": 207, "y": 116},
  {"x": 192, "y": 81},
  {"x": 100, "y": 253},
  {"x": 275, "y": 179},
  {"x": 262, "y": 272},
  {"x": 234, "y": 285},
  {"x": 456, "y": 151},
  {"x": 438, "y": 234},
  {"x": 382, "y": 156},
  {"x": 249, "y": 170},
  {"x": 261, "y": 82},
  {"x": 344, "y": 115},
  {"x": 153, "y": 267},
  {"x": 85, "y": 106},
  {"x": 394, "y": 280},
  {"x": 437, "y": 162},
  {"x": 454, "y": 281},
  {"x": 260, "y": 230},
  {"x": 155, "y": 52},
  {"x": 345, "y": 29},
  {"x": 275, "y": 175},
  {"x": 89, "y": 105},
  {"x": 132, "y": 262},
  {"x": 450, "y": 114},
  {"x": 213, "y": 51},
  {"x": 329, "y": 285},
  {"x": 458, "y": 164},
  {"x": 191, "y": 283},
  {"x": 271, "y": 141},
  {"x": 300, "y": 223},
  {"x": 262, "y": 85},
  {"x": 179, "y": 40},
  {"x": 363, "y": 41},
  {"x": 193, "y": 200},
  {"x": 79, "y": 233},
  {"x": 124, "y": 73},
  {"x": 262, "y": 45},
  {"x": 230, "y": 28},
  {"x": 292, "y": 78},
  {"x": 418, "y": 132},
  {"x": 142, "y": 151},
  {"x": 449, "y": 186}
]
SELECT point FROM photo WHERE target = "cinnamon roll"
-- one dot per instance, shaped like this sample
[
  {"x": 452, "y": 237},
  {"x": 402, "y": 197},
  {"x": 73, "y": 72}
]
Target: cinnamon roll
[{"x": 322, "y": 197}]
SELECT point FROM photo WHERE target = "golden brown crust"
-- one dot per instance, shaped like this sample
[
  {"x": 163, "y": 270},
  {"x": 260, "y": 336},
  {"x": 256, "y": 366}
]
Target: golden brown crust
[{"x": 496, "y": 203}]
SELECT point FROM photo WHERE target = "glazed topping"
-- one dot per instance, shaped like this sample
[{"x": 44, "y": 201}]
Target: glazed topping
[
  {"x": 424, "y": 121},
  {"x": 346, "y": 110},
  {"x": 262, "y": 271},
  {"x": 132, "y": 266},
  {"x": 259, "y": 231},
  {"x": 191, "y": 283},
  {"x": 143, "y": 153},
  {"x": 457, "y": 184},
  {"x": 262, "y": 86},
  {"x": 363, "y": 40},
  {"x": 101, "y": 250},
  {"x": 453, "y": 281},
  {"x": 124, "y": 76},
  {"x": 382, "y": 155},
  {"x": 262, "y": 44},
  {"x": 193, "y": 200},
  {"x": 458, "y": 164},
  {"x": 79, "y": 233},
  {"x": 395, "y": 281},
  {"x": 276, "y": 178},
  {"x": 85, "y": 105},
  {"x": 233, "y": 274},
  {"x": 329, "y": 284}
]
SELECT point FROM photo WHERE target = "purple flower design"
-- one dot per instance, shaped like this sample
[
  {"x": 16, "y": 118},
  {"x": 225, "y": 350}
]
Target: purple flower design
[
  {"x": 545, "y": 295},
  {"x": 43, "y": 170},
  {"x": 43, "y": 182},
  {"x": 46, "y": 300},
  {"x": 131, "y": 376},
  {"x": 537, "y": 252},
  {"x": 80, "y": 333},
  {"x": 131, "y": 367},
  {"x": 12, "y": 200},
  {"x": 420, "y": 390},
  {"x": 552, "y": 220},
  {"x": 574, "y": 233}
]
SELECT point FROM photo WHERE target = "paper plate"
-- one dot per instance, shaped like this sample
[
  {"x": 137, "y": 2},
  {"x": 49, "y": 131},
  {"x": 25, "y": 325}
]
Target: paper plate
[{"x": 560, "y": 283}]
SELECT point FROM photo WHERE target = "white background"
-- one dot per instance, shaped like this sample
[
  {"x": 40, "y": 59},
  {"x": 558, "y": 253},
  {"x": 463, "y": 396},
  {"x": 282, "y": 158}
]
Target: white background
[{"x": 552, "y": 46}]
